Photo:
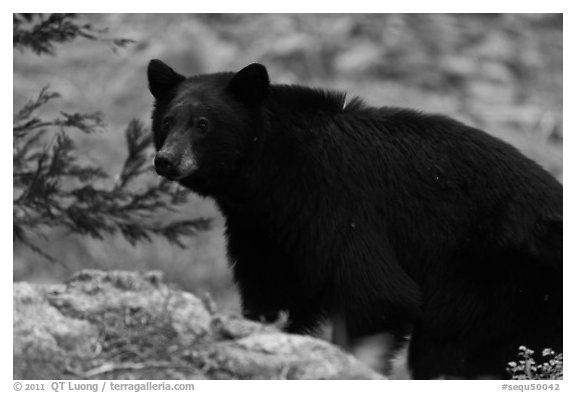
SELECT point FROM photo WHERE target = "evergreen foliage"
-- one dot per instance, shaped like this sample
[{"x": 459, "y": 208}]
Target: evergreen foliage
[{"x": 54, "y": 187}]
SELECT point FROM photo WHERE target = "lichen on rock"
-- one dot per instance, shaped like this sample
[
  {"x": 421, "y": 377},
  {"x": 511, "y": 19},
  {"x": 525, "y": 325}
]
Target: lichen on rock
[{"x": 131, "y": 325}]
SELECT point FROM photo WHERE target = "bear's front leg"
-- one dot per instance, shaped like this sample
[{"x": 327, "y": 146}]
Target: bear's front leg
[{"x": 263, "y": 293}]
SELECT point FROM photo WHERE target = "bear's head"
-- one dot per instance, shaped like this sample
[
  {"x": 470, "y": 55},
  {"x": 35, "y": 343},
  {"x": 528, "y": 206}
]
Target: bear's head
[{"x": 204, "y": 126}]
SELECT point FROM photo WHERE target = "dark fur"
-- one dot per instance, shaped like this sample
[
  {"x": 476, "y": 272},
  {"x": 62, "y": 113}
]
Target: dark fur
[{"x": 388, "y": 216}]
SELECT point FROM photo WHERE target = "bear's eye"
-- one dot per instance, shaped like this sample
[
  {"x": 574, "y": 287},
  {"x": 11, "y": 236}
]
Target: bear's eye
[
  {"x": 167, "y": 123},
  {"x": 203, "y": 123}
]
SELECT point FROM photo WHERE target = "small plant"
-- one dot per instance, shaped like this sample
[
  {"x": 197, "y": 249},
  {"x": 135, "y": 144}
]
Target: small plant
[{"x": 549, "y": 366}]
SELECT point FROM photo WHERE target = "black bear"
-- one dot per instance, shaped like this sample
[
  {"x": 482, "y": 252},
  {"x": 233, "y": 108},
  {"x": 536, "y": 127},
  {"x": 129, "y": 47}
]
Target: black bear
[{"x": 391, "y": 218}]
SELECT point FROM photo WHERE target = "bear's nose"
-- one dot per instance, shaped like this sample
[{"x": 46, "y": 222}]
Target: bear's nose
[{"x": 165, "y": 164}]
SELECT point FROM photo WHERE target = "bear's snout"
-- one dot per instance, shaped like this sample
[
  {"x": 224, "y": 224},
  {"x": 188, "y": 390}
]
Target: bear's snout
[
  {"x": 174, "y": 166},
  {"x": 166, "y": 165}
]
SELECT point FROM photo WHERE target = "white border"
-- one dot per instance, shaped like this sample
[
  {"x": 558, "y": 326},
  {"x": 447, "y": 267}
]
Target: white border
[{"x": 332, "y": 7}]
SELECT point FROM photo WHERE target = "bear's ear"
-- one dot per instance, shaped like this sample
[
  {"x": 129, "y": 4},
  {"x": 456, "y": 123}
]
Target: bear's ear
[
  {"x": 161, "y": 78},
  {"x": 250, "y": 85}
]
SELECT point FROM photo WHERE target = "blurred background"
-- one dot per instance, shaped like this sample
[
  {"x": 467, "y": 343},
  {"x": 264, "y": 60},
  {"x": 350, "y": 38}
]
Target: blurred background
[{"x": 501, "y": 73}]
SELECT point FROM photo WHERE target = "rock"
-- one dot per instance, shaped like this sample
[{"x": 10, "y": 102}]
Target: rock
[{"x": 129, "y": 325}]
